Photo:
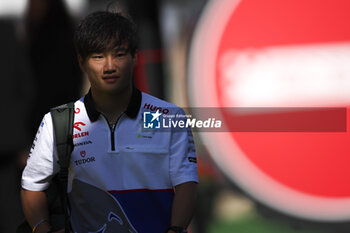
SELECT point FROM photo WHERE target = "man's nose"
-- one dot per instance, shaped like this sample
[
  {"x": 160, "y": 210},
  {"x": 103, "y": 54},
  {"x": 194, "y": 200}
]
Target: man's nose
[{"x": 109, "y": 65}]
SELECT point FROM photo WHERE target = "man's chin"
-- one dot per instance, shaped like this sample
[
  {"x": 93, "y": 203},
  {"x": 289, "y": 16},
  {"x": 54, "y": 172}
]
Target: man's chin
[{"x": 116, "y": 90}]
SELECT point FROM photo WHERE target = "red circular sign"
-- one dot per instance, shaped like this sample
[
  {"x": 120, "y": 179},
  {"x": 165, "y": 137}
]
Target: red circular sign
[{"x": 279, "y": 54}]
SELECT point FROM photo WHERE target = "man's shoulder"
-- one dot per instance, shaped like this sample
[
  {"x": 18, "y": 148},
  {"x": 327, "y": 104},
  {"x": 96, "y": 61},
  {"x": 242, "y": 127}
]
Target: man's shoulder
[
  {"x": 77, "y": 105},
  {"x": 75, "y": 102}
]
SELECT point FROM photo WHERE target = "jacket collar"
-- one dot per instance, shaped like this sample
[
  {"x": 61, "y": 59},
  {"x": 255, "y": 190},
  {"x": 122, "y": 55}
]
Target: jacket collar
[{"x": 131, "y": 111}]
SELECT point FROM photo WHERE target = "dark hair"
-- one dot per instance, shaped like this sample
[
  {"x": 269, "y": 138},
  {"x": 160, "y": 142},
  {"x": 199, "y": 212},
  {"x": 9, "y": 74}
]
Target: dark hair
[{"x": 101, "y": 31}]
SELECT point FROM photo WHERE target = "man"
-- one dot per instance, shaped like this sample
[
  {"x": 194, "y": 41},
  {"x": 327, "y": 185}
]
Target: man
[{"x": 122, "y": 178}]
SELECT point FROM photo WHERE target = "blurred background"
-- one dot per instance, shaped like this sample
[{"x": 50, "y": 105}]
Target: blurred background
[{"x": 201, "y": 53}]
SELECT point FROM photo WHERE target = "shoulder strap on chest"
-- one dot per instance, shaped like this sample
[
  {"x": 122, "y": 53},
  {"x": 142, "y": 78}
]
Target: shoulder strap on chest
[{"x": 63, "y": 120}]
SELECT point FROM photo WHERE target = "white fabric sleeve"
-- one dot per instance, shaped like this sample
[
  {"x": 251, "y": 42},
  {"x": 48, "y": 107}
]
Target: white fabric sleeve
[
  {"x": 42, "y": 161},
  {"x": 183, "y": 161}
]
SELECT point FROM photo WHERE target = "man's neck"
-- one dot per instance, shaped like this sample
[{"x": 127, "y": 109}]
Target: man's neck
[{"x": 112, "y": 105}]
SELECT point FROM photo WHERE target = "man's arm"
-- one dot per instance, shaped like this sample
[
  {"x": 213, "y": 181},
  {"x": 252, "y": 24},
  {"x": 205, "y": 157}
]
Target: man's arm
[
  {"x": 35, "y": 209},
  {"x": 42, "y": 157},
  {"x": 183, "y": 205}
]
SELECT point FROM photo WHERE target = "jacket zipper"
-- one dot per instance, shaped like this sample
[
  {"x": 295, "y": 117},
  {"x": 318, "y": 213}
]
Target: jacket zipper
[{"x": 112, "y": 129}]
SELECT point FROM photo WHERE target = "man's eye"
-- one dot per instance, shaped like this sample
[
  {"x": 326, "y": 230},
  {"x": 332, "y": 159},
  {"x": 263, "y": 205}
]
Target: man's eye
[
  {"x": 120, "y": 54},
  {"x": 97, "y": 56}
]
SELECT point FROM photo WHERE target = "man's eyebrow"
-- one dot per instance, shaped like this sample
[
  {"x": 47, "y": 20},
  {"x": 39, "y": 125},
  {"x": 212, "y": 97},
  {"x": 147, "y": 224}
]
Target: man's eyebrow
[{"x": 120, "y": 49}]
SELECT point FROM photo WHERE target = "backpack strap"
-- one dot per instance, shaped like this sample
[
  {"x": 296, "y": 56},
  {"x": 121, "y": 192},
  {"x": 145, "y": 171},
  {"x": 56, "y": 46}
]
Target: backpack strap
[{"x": 63, "y": 120}]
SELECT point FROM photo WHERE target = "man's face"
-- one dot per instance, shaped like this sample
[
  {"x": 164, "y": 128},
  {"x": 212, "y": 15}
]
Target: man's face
[{"x": 111, "y": 71}]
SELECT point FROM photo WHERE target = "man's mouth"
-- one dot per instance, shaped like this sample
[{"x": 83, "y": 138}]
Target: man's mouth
[{"x": 110, "y": 78}]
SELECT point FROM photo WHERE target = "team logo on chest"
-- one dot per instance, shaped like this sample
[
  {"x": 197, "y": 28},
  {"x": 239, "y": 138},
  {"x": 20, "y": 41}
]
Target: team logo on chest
[
  {"x": 84, "y": 160},
  {"x": 83, "y": 153},
  {"x": 78, "y": 126}
]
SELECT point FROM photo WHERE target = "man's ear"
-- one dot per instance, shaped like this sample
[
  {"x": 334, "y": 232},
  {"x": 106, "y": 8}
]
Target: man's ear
[{"x": 81, "y": 63}]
